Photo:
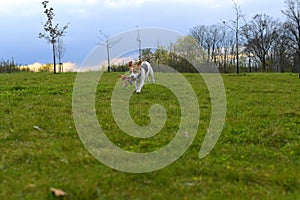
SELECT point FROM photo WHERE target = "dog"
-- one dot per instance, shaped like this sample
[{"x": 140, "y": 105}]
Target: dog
[{"x": 139, "y": 73}]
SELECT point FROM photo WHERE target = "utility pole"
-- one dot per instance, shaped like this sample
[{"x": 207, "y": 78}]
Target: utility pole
[
  {"x": 108, "y": 56},
  {"x": 140, "y": 43}
]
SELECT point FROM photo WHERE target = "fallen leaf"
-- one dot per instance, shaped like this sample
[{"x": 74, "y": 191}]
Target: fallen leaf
[
  {"x": 37, "y": 128},
  {"x": 58, "y": 192},
  {"x": 185, "y": 134}
]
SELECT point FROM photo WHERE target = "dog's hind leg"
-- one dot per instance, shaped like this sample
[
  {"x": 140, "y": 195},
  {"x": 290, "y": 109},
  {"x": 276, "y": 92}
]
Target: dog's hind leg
[
  {"x": 147, "y": 79},
  {"x": 152, "y": 76}
]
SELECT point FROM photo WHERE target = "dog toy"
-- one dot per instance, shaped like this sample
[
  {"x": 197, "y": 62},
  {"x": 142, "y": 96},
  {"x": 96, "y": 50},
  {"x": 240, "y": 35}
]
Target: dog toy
[{"x": 127, "y": 80}]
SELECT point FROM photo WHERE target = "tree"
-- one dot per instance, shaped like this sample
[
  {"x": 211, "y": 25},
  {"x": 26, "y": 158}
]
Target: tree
[
  {"x": 227, "y": 47},
  {"x": 218, "y": 43},
  {"x": 108, "y": 43},
  {"x": 292, "y": 12},
  {"x": 260, "y": 34},
  {"x": 52, "y": 32},
  {"x": 60, "y": 51},
  {"x": 282, "y": 50},
  {"x": 147, "y": 54},
  {"x": 236, "y": 29},
  {"x": 161, "y": 56},
  {"x": 46, "y": 68},
  {"x": 188, "y": 54},
  {"x": 9, "y": 66},
  {"x": 189, "y": 48},
  {"x": 203, "y": 35}
]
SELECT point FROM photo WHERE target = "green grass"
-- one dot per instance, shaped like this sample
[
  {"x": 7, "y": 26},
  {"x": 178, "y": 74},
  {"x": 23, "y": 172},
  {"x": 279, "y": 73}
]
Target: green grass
[{"x": 256, "y": 157}]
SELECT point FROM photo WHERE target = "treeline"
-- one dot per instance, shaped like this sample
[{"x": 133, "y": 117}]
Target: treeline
[
  {"x": 265, "y": 45},
  {"x": 261, "y": 44},
  {"x": 159, "y": 58},
  {"x": 9, "y": 66}
]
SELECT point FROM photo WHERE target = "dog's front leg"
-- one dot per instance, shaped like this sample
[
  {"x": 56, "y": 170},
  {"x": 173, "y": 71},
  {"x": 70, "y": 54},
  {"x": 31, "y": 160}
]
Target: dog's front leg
[
  {"x": 137, "y": 86},
  {"x": 140, "y": 84}
]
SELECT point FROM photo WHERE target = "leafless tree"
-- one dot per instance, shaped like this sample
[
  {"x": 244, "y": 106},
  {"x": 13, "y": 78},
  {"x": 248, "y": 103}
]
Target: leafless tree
[
  {"x": 218, "y": 42},
  {"x": 260, "y": 33},
  {"x": 282, "y": 49},
  {"x": 236, "y": 28},
  {"x": 60, "y": 51},
  {"x": 227, "y": 49},
  {"x": 292, "y": 12},
  {"x": 209, "y": 38},
  {"x": 106, "y": 41},
  {"x": 203, "y": 36}
]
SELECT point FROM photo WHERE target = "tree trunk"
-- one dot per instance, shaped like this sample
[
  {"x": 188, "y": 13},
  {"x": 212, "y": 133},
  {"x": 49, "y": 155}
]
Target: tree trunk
[
  {"x": 237, "y": 51},
  {"x": 299, "y": 64},
  {"x": 250, "y": 64},
  {"x": 54, "y": 59},
  {"x": 264, "y": 64}
]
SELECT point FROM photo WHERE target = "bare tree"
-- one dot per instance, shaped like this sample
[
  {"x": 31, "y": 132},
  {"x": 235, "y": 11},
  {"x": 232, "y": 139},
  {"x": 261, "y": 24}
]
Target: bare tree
[
  {"x": 260, "y": 33},
  {"x": 292, "y": 12},
  {"x": 216, "y": 37},
  {"x": 201, "y": 34},
  {"x": 208, "y": 38},
  {"x": 106, "y": 41},
  {"x": 226, "y": 49},
  {"x": 217, "y": 41},
  {"x": 60, "y": 51},
  {"x": 282, "y": 50},
  {"x": 236, "y": 28},
  {"x": 52, "y": 32}
]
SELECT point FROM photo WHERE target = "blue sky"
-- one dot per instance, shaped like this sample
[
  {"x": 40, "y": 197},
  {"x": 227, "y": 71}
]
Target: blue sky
[{"x": 21, "y": 21}]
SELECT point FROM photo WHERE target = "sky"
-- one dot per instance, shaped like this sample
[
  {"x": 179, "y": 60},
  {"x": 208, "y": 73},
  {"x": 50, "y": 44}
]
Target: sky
[{"x": 22, "y": 20}]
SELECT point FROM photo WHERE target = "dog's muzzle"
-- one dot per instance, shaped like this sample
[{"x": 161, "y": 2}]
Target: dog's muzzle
[{"x": 132, "y": 77}]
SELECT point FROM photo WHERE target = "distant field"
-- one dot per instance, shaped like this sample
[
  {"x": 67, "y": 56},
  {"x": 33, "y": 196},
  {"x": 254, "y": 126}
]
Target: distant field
[{"x": 256, "y": 157}]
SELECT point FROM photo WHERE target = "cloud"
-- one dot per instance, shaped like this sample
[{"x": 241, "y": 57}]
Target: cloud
[
  {"x": 126, "y": 3},
  {"x": 20, "y": 6},
  {"x": 31, "y": 7},
  {"x": 134, "y": 3},
  {"x": 33, "y": 67},
  {"x": 70, "y": 67},
  {"x": 67, "y": 67}
]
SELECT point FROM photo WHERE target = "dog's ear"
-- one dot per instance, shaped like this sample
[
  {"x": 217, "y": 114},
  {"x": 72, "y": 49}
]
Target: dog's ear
[
  {"x": 130, "y": 64},
  {"x": 139, "y": 63}
]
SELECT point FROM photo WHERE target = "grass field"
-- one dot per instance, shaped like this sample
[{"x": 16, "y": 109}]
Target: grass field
[{"x": 256, "y": 157}]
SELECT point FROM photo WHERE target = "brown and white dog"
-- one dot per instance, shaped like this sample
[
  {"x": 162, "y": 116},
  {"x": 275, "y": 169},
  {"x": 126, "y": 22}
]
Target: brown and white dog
[{"x": 139, "y": 73}]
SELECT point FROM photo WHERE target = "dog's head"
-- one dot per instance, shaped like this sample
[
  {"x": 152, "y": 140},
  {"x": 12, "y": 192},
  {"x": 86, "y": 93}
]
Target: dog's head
[{"x": 134, "y": 70}]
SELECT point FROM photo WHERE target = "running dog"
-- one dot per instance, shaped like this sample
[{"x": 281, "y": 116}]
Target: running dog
[{"x": 139, "y": 73}]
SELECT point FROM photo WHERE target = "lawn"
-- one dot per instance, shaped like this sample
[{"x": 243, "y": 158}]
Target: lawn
[{"x": 256, "y": 157}]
